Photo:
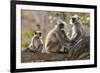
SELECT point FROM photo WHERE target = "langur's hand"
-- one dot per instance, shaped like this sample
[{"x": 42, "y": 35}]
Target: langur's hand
[{"x": 73, "y": 41}]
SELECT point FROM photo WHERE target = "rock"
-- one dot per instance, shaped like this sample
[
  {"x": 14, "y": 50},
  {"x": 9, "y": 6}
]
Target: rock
[
  {"x": 41, "y": 57},
  {"x": 81, "y": 51},
  {"x": 79, "y": 48},
  {"x": 85, "y": 55}
]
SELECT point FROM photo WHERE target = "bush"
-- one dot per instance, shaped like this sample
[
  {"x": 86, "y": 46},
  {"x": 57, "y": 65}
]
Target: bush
[
  {"x": 27, "y": 35},
  {"x": 24, "y": 44}
]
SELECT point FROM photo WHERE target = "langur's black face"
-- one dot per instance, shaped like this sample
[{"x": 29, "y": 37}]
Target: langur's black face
[
  {"x": 61, "y": 25},
  {"x": 38, "y": 33},
  {"x": 73, "y": 19}
]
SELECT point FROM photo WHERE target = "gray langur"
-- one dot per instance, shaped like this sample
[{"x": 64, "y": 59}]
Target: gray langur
[
  {"x": 55, "y": 39},
  {"x": 77, "y": 29},
  {"x": 36, "y": 44},
  {"x": 78, "y": 35}
]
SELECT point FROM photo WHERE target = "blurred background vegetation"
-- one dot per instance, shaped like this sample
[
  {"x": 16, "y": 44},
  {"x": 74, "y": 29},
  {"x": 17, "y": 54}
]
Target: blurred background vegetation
[{"x": 44, "y": 21}]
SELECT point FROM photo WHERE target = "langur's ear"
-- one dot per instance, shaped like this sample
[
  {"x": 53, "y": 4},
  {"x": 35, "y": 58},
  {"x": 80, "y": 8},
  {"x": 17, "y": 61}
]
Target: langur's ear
[{"x": 78, "y": 18}]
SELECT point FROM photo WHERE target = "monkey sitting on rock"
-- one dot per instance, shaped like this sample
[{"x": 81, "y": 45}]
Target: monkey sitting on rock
[
  {"x": 36, "y": 44},
  {"x": 77, "y": 30},
  {"x": 81, "y": 42},
  {"x": 55, "y": 39}
]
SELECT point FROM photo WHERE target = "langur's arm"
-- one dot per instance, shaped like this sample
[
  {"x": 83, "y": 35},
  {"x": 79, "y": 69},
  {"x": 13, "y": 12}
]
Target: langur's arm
[
  {"x": 65, "y": 36},
  {"x": 31, "y": 44},
  {"x": 73, "y": 36},
  {"x": 74, "y": 33},
  {"x": 82, "y": 32},
  {"x": 41, "y": 43},
  {"x": 61, "y": 38}
]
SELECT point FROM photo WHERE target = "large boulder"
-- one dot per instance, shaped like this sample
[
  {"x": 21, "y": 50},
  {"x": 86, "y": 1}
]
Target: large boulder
[{"x": 80, "y": 50}]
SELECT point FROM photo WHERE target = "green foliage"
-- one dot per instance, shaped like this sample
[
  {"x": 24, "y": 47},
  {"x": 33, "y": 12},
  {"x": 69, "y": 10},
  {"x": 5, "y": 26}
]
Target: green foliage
[
  {"x": 66, "y": 16},
  {"x": 27, "y": 34},
  {"x": 24, "y": 44}
]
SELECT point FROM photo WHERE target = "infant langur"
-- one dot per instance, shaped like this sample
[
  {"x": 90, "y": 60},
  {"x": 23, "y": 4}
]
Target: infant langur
[{"x": 36, "y": 44}]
